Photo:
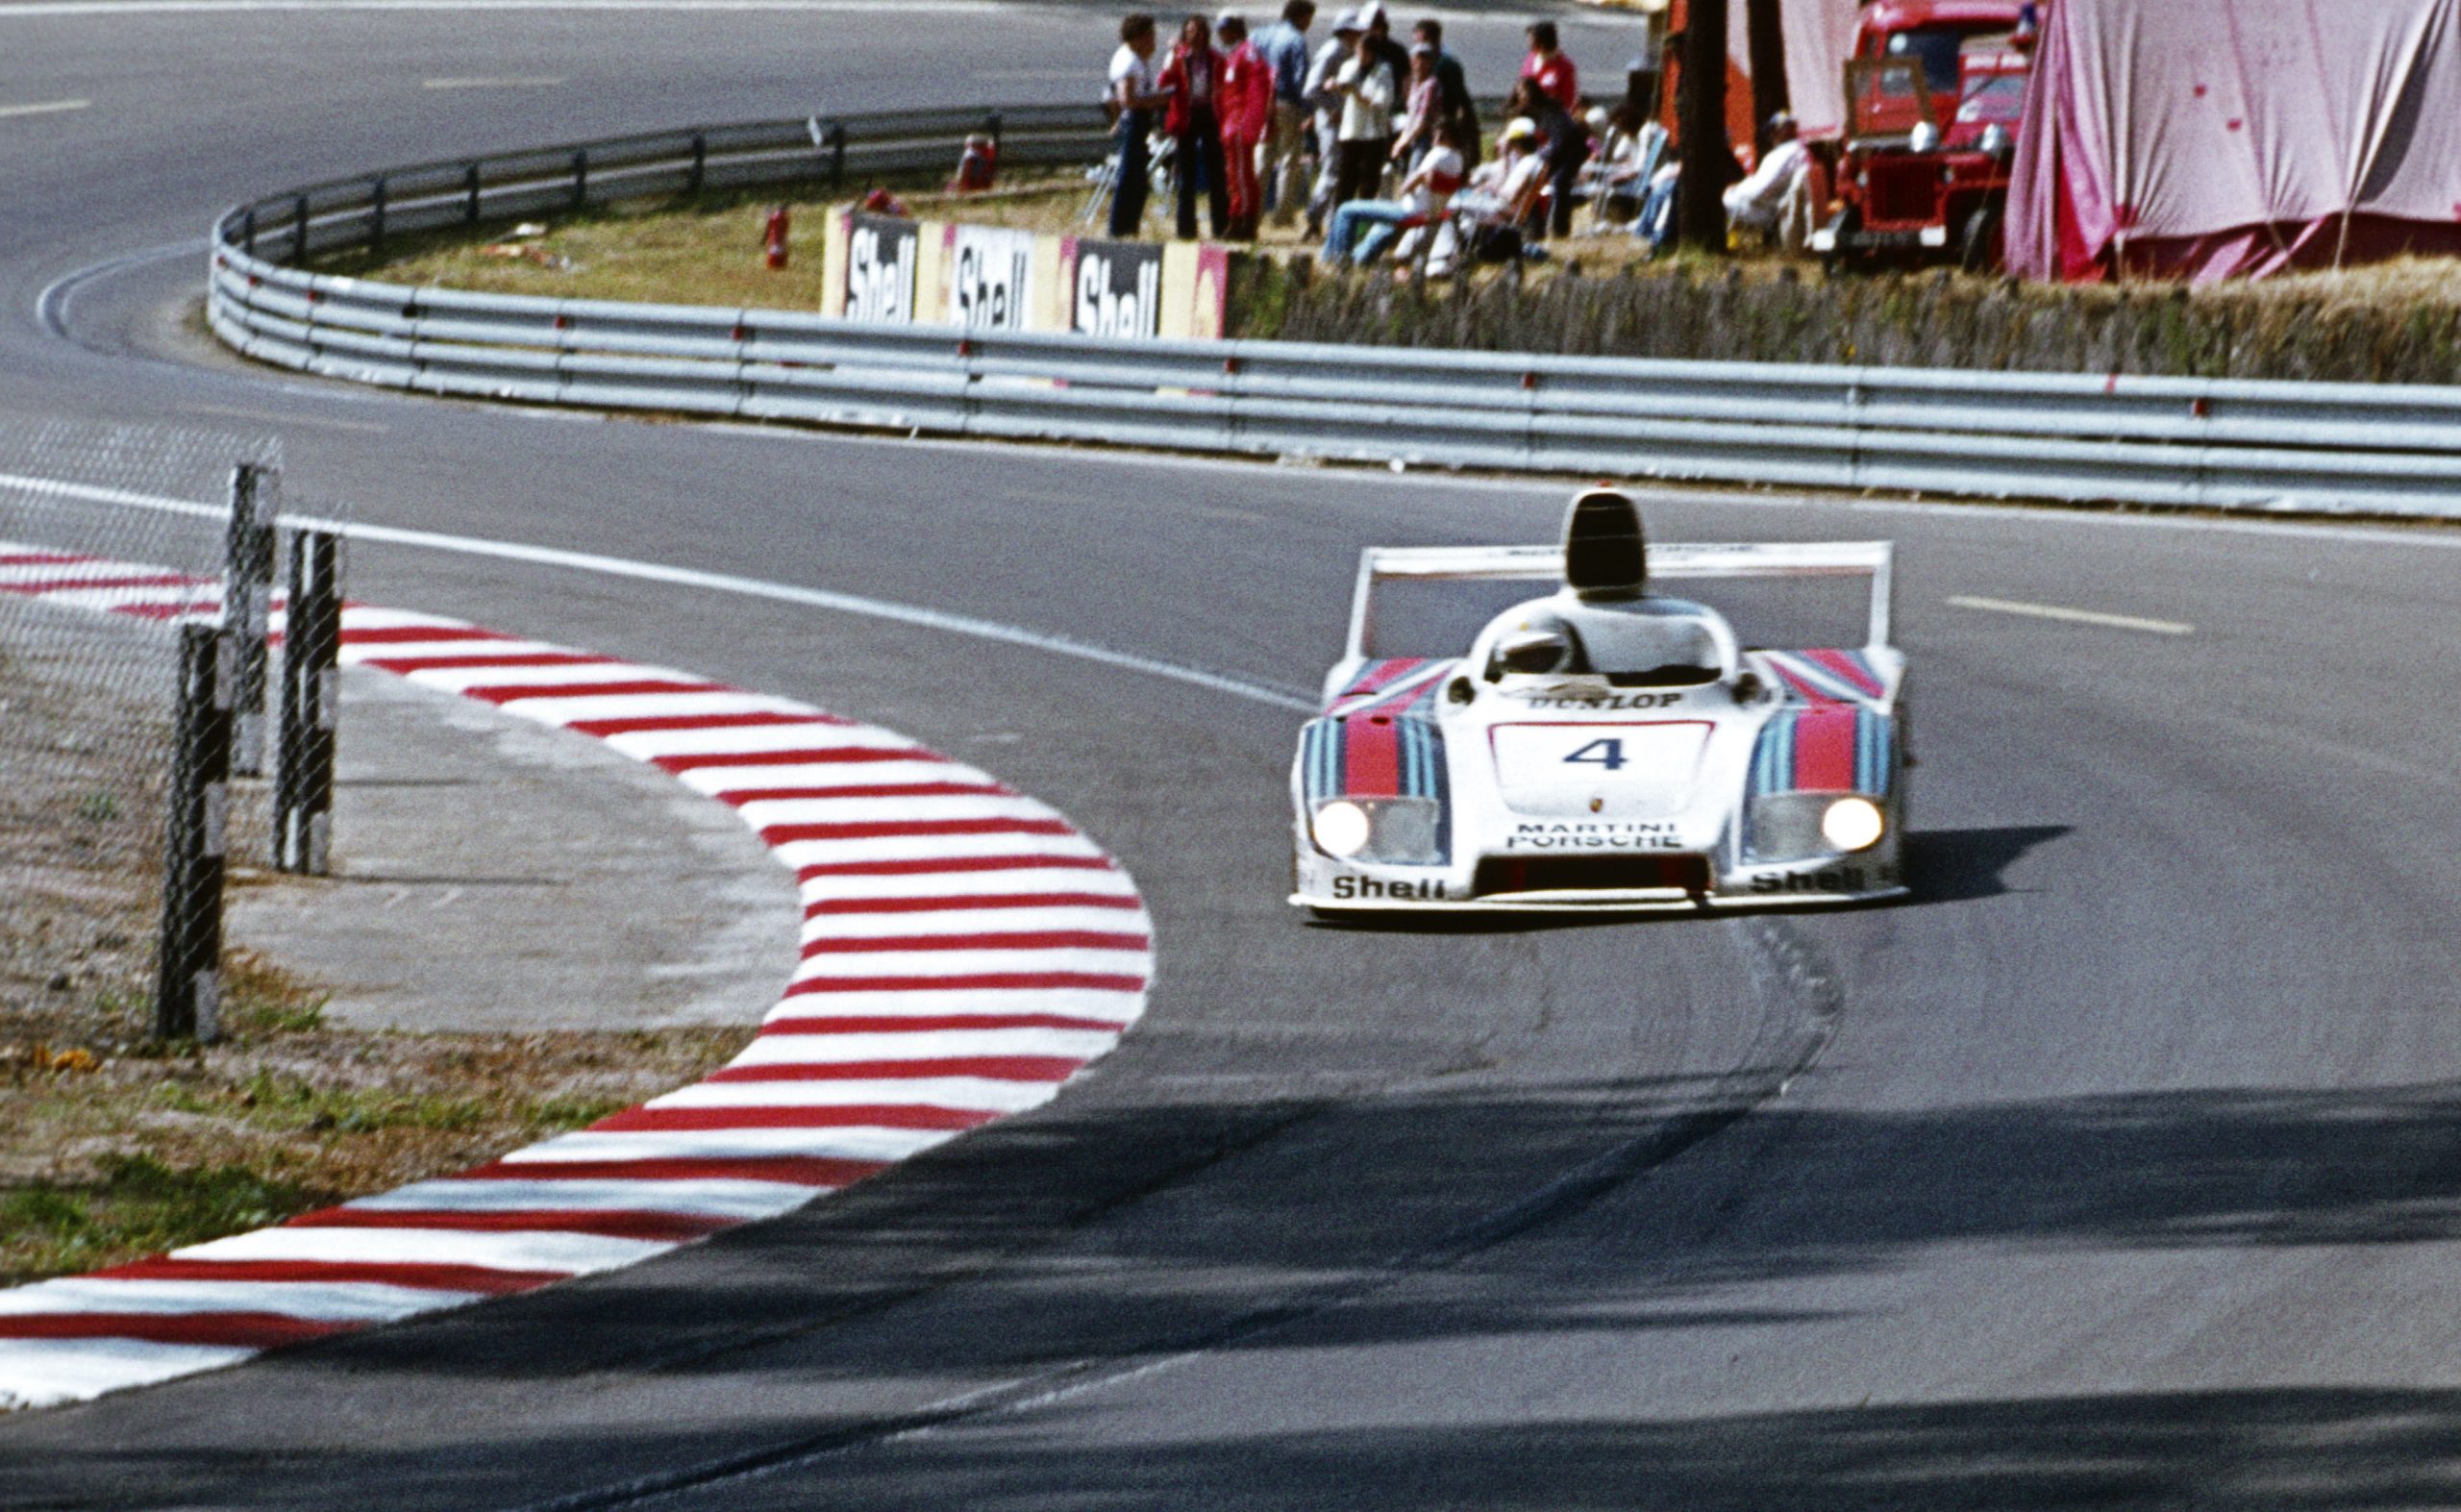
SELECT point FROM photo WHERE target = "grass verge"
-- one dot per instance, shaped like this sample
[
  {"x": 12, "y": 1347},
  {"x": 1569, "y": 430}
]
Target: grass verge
[
  {"x": 114, "y": 1149},
  {"x": 1596, "y": 296}
]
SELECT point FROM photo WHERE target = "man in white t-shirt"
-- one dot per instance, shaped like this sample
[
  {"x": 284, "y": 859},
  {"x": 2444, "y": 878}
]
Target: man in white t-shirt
[
  {"x": 1135, "y": 97},
  {"x": 1369, "y": 91},
  {"x": 1754, "y": 202},
  {"x": 1426, "y": 194}
]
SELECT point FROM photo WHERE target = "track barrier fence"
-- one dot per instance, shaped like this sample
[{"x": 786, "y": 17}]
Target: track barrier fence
[
  {"x": 139, "y": 624},
  {"x": 2232, "y": 444}
]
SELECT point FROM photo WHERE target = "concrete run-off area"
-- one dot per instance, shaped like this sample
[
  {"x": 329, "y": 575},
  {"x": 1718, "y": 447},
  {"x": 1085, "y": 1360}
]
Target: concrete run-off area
[{"x": 495, "y": 875}]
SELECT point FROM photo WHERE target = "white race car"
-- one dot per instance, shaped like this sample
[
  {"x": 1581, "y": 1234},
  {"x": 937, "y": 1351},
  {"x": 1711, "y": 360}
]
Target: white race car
[{"x": 1600, "y": 747}]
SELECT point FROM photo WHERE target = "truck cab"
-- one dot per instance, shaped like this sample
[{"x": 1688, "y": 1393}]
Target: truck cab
[{"x": 1934, "y": 92}]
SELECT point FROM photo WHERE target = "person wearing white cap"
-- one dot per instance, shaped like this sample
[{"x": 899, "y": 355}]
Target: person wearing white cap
[
  {"x": 1502, "y": 191},
  {"x": 1321, "y": 96}
]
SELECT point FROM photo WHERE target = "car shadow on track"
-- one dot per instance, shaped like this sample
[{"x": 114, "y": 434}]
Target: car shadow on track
[{"x": 1962, "y": 865}]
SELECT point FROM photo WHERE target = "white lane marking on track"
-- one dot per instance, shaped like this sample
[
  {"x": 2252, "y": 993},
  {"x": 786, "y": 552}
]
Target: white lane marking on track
[
  {"x": 497, "y": 82},
  {"x": 51, "y": 306},
  {"x": 2055, "y": 611},
  {"x": 42, "y": 108},
  {"x": 713, "y": 582}
]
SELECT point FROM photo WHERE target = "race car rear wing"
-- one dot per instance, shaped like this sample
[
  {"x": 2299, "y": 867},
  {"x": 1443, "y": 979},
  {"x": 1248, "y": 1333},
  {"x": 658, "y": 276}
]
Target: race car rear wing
[{"x": 1873, "y": 559}]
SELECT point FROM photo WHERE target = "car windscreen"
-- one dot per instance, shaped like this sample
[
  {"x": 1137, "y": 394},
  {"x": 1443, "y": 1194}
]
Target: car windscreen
[{"x": 1439, "y": 617}]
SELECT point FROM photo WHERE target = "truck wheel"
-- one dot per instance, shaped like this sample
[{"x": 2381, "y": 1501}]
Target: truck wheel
[{"x": 1984, "y": 248}]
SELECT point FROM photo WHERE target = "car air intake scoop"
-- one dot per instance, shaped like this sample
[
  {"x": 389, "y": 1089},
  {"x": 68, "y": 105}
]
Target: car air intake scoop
[{"x": 1605, "y": 554}]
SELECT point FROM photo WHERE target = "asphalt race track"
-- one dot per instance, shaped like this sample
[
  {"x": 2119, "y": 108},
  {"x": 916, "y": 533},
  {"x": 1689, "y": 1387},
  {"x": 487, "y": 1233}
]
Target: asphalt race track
[{"x": 2120, "y": 1167}]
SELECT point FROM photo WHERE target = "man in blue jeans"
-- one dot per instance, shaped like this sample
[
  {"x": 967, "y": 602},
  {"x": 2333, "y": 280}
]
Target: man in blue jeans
[
  {"x": 1425, "y": 195},
  {"x": 1285, "y": 44},
  {"x": 1135, "y": 97}
]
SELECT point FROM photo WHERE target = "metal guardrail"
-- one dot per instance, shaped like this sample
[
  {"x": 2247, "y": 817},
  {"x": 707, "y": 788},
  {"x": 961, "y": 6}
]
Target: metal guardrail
[{"x": 2226, "y": 444}]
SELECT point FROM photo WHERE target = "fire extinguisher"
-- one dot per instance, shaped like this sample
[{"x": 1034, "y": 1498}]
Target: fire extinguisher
[{"x": 774, "y": 236}]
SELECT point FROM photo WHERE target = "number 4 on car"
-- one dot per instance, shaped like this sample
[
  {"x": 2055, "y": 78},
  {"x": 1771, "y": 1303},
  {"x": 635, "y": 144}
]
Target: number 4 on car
[
  {"x": 1601, "y": 744},
  {"x": 1608, "y": 753}
]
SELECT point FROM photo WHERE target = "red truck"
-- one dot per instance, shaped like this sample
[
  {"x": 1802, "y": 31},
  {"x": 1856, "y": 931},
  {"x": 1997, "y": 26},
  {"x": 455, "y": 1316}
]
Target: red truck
[{"x": 1934, "y": 92}]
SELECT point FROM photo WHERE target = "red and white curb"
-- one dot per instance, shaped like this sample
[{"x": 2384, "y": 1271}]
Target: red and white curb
[{"x": 966, "y": 952}]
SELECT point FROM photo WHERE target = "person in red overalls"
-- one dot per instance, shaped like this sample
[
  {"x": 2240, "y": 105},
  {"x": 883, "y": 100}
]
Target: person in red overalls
[
  {"x": 1192, "y": 80},
  {"x": 1246, "y": 106}
]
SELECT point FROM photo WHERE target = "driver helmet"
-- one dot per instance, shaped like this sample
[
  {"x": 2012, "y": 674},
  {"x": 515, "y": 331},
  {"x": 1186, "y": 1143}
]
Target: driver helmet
[{"x": 1534, "y": 650}]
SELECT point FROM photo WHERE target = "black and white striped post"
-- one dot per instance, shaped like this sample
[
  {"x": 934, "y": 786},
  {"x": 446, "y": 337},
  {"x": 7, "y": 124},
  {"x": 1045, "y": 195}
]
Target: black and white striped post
[
  {"x": 188, "y": 985},
  {"x": 247, "y": 605},
  {"x": 312, "y": 642}
]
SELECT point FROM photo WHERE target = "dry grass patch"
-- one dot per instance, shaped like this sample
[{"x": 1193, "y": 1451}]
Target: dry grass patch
[
  {"x": 1603, "y": 296},
  {"x": 697, "y": 251}
]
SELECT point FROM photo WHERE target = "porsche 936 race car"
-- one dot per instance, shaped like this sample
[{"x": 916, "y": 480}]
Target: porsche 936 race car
[{"x": 1600, "y": 747}]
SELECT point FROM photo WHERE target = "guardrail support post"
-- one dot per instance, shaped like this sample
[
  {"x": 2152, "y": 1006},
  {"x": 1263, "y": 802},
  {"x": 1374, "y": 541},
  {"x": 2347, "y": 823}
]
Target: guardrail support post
[
  {"x": 470, "y": 192},
  {"x": 699, "y": 165},
  {"x": 376, "y": 212},
  {"x": 299, "y": 229},
  {"x": 188, "y": 968},
  {"x": 248, "y": 230},
  {"x": 581, "y": 177},
  {"x": 991, "y": 127},
  {"x": 303, "y": 795},
  {"x": 836, "y": 156},
  {"x": 247, "y": 605}
]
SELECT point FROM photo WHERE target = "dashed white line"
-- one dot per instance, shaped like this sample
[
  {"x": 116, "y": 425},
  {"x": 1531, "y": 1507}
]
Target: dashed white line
[
  {"x": 43, "y": 107},
  {"x": 495, "y": 82},
  {"x": 2055, "y": 611}
]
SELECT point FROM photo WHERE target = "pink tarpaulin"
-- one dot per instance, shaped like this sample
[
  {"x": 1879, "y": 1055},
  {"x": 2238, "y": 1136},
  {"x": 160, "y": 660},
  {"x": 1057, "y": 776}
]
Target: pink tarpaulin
[
  {"x": 2213, "y": 139},
  {"x": 1820, "y": 35}
]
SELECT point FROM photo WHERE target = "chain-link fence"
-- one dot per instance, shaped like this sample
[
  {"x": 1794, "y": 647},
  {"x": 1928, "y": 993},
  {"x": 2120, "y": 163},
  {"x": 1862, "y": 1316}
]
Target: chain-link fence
[{"x": 111, "y": 537}]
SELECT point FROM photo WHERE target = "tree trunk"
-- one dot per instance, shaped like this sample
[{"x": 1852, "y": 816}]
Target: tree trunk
[{"x": 1701, "y": 211}]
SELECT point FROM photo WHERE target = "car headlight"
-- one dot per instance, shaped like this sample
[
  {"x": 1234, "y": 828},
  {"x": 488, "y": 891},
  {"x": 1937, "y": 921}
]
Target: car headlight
[
  {"x": 1343, "y": 829},
  {"x": 1852, "y": 824},
  {"x": 1405, "y": 831},
  {"x": 1803, "y": 827}
]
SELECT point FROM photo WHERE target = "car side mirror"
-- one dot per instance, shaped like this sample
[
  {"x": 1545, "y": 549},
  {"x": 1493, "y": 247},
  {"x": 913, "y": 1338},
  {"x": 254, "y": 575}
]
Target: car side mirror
[
  {"x": 1748, "y": 689},
  {"x": 1460, "y": 690}
]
